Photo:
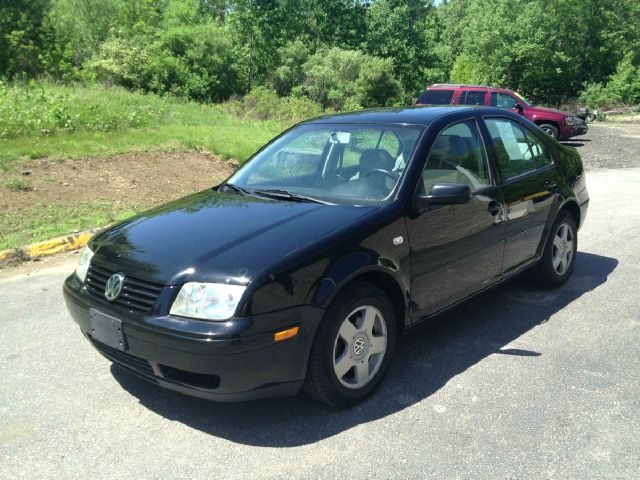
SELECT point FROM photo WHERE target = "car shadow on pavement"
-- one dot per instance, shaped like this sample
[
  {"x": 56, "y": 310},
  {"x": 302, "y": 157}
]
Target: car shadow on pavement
[
  {"x": 575, "y": 142},
  {"x": 425, "y": 361}
]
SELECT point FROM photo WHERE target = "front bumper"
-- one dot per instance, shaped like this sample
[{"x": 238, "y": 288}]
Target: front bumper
[
  {"x": 569, "y": 131},
  {"x": 234, "y": 360}
]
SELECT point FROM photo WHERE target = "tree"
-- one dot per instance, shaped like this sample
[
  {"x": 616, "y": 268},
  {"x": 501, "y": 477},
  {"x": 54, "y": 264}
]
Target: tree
[{"x": 406, "y": 33}]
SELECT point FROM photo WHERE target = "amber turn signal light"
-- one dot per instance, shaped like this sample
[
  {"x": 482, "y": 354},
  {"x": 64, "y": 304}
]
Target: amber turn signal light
[{"x": 284, "y": 334}]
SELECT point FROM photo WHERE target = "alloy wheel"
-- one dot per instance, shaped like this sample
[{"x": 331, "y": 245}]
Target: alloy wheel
[
  {"x": 360, "y": 346},
  {"x": 563, "y": 249}
]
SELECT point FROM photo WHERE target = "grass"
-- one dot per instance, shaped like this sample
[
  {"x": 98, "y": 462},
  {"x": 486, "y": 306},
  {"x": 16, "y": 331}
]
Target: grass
[
  {"x": 55, "y": 122},
  {"x": 19, "y": 184},
  {"x": 60, "y": 122},
  {"x": 47, "y": 221}
]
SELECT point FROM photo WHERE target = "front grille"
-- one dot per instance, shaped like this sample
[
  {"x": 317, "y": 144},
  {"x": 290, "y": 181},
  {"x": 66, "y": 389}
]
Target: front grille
[
  {"x": 122, "y": 358},
  {"x": 136, "y": 294}
]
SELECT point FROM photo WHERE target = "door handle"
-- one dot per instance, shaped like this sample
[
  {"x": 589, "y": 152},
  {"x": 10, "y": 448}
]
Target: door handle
[
  {"x": 551, "y": 185},
  {"x": 493, "y": 208}
]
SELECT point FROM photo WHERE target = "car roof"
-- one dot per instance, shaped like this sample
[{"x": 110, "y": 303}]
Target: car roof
[
  {"x": 464, "y": 86},
  {"x": 419, "y": 115}
]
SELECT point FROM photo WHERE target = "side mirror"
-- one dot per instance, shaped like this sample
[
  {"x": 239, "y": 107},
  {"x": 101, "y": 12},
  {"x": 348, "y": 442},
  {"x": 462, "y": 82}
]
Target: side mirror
[
  {"x": 443, "y": 194},
  {"x": 518, "y": 107}
]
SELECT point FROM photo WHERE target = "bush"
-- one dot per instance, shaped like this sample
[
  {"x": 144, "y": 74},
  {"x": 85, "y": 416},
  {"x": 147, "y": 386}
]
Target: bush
[
  {"x": 623, "y": 86},
  {"x": 191, "y": 61},
  {"x": 349, "y": 79},
  {"x": 291, "y": 70},
  {"x": 376, "y": 85},
  {"x": 195, "y": 62},
  {"x": 264, "y": 104},
  {"x": 120, "y": 62}
]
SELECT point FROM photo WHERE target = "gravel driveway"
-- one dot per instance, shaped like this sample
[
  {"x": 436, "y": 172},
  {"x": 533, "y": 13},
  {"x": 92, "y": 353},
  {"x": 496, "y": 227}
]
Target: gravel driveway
[{"x": 609, "y": 145}]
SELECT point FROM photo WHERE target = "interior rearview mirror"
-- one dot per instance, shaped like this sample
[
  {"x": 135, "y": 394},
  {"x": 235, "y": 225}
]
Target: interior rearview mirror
[
  {"x": 340, "y": 137},
  {"x": 443, "y": 194}
]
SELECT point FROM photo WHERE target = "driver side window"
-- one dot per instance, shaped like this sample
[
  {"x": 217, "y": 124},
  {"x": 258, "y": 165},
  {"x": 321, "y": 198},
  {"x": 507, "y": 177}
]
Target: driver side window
[
  {"x": 502, "y": 100},
  {"x": 457, "y": 156}
]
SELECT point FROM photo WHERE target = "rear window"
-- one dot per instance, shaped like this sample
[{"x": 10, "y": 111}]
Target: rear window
[{"x": 436, "y": 97}]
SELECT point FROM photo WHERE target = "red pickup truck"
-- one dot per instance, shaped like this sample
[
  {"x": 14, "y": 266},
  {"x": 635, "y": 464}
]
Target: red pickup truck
[{"x": 560, "y": 125}]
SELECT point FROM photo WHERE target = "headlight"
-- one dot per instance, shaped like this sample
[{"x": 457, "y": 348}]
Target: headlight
[
  {"x": 572, "y": 120},
  {"x": 83, "y": 264},
  {"x": 210, "y": 301}
]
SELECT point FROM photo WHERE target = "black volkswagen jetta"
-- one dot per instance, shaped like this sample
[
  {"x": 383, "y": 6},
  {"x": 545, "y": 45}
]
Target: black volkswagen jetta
[{"x": 301, "y": 270}]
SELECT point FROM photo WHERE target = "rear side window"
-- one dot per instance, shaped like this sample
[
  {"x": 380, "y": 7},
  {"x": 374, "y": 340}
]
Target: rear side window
[
  {"x": 436, "y": 97},
  {"x": 541, "y": 153},
  {"x": 457, "y": 156},
  {"x": 514, "y": 153},
  {"x": 472, "y": 98}
]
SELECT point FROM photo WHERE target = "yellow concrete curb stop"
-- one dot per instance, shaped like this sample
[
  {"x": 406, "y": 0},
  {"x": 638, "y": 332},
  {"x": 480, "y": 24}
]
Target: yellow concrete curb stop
[{"x": 66, "y": 243}]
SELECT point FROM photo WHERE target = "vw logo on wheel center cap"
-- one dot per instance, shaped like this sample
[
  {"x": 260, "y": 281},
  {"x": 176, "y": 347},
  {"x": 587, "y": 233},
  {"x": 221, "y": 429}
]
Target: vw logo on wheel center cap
[
  {"x": 114, "y": 286},
  {"x": 359, "y": 345}
]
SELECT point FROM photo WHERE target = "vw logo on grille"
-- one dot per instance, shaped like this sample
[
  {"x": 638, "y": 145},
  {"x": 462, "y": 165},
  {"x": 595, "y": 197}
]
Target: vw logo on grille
[{"x": 114, "y": 286}]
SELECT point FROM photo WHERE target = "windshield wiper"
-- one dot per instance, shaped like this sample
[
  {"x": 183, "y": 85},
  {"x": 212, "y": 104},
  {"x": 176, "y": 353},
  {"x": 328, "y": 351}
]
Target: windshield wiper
[
  {"x": 295, "y": 197},
  {"x": 235, "y": 188}
]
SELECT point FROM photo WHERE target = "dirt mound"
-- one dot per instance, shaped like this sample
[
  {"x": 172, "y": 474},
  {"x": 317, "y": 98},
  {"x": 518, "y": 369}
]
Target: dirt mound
[{"x": 137, "y": 180}]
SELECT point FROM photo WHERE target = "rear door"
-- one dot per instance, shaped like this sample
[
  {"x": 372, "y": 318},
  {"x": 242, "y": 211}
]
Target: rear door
[
  {"x": 456, "y": 249},
  {"x": 528, "y": 182},
  {"x": 473, "y": 97}
]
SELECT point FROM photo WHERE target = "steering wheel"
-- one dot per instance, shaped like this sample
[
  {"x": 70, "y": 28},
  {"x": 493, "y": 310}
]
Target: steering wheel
[{"x": 381, "y": 171}]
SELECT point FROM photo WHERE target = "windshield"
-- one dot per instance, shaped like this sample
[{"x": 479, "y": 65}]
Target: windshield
[
  {"x": 523, "y": 100},
  {"x": 350, "y": 164}
]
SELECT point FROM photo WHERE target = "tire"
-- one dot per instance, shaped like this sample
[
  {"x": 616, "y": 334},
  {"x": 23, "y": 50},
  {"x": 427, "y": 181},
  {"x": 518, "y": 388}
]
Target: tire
[
  {"x": 357, "y": 339},
  {"x": 590, "y": 117},
  {"x": 550, "y": 130},
  {"x": 559, "y": 256}
]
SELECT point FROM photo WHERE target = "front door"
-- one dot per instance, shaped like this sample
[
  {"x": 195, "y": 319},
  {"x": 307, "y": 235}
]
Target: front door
[{"x": 456, "y": 249}]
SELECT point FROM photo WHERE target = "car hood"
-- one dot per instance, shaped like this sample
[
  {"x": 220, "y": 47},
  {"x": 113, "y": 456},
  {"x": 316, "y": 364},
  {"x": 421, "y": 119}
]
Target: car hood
[
  {"x": 217, "y": 237},
  {"x": 549, "y": 110}
]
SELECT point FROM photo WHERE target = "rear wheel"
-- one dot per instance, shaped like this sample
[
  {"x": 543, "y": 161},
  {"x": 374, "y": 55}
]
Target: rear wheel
[
  {"x": 559, "y": 256},
  {"x": 550, "y": 130},
  {"x": 353, "y": 346}
]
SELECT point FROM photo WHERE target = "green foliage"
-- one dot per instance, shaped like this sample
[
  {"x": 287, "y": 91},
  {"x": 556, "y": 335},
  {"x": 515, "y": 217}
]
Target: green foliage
[
  {"x": 83, "y": 25},
  {"x": 56, "y": 121},
  {"x": 376, "y": 85},
  {"x": 47, "y": 221},
  {"x": 547, "y": 50},
  {"x": 264, "y": 104},
  {"x": 19, "y": 184},
  {"x": 349, "y": 79},
  {"x": 330, "y": 51},
  {"x": 406, "y": 32},
  {"x": 44, "y": 109},
  {"x": 291, "y": 72},
  {"x": 623, "y": 86},
  {"x": 120, "y": 61},
  {"x": 194, "y": 62}
]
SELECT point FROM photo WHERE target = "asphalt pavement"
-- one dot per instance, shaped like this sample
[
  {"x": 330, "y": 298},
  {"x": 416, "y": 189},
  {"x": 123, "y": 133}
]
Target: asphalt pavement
[{"x": 518, "y": 383}]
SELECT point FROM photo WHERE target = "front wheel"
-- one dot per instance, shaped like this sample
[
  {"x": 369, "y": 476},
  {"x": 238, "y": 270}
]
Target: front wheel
[
  {"x": 550, "y": 130},
  {"x": 559, "y": 256},
  {"x": 353, "y": 346}
]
